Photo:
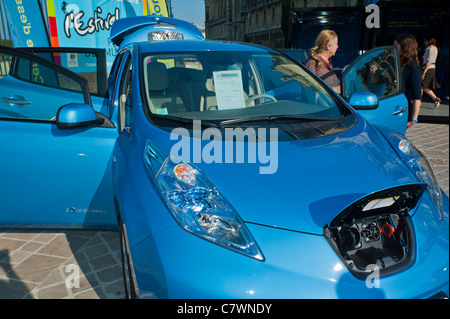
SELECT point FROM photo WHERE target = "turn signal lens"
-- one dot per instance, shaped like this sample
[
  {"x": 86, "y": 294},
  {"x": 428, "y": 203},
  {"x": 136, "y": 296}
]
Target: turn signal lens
[{"x": 185, "y": 173}]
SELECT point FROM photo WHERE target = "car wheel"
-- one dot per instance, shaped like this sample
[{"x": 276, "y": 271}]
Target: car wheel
[{"x": 130, "y": 290}]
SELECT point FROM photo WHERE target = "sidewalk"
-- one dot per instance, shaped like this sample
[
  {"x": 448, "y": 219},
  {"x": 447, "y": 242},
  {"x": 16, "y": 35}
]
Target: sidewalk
[
  {"x": 430, "y": 114},
  {"x": 433, "y": 141},
  {"x": 34, "y": 263}
]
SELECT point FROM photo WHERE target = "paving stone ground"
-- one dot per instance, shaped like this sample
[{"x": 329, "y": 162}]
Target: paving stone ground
[
  {"x": 433, "y": 141},
  {"x": 65, "y": 264}
]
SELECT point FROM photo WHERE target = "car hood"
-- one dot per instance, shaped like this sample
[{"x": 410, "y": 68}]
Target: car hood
[{"x": 314, "y": 180}]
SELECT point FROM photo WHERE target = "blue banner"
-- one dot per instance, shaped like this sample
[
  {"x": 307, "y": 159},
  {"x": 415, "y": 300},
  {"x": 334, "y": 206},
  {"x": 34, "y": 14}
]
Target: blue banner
[{"x": 25, "y": 23}]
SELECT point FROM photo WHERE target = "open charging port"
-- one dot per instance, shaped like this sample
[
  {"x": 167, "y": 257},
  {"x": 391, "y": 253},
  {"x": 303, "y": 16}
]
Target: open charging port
[{"x": 376, "y": 231}]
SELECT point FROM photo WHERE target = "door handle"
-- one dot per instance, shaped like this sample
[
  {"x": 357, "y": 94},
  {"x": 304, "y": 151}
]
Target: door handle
[
  {"x": 402, "y": 110},
  {"x": 13, "y": 100}
]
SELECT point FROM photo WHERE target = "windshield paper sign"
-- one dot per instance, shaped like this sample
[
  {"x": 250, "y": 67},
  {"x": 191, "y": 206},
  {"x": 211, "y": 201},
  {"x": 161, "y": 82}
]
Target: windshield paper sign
[{"x": 87, "y": 23}]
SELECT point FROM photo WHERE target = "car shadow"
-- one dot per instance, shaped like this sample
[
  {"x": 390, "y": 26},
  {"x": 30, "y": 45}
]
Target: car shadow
[
  {"x": 97, "y": 255},
  {"x": 60, "y": 264}
]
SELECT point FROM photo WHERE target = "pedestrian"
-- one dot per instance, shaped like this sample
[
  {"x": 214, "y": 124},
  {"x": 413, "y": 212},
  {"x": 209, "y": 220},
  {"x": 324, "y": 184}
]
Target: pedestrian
[
  {"x": 429, "y": 82},
  {"x": 320, "y": 60},
  {"x": 411, "y": 75}
]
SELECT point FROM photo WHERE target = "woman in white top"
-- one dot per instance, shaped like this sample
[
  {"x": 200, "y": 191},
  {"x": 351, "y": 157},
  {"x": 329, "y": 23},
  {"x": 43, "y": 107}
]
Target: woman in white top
[{"x": 429, "y": 82}]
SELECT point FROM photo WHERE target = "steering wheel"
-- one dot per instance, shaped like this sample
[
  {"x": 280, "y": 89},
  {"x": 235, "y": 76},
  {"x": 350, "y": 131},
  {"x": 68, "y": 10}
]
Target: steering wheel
[{"x": 257, "y": 96}]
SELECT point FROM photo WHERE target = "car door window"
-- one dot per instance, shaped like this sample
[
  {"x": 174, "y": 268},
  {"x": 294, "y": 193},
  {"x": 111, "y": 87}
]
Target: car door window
[
  {"x": 34, "y": 89},
  {"x": 84, "y": 65},
  {"x": 33, "y": 72},
  {"x": 5, "y": 65},
  {"x": 374, "y": 72},
  {"x": 88, "y": 63}
]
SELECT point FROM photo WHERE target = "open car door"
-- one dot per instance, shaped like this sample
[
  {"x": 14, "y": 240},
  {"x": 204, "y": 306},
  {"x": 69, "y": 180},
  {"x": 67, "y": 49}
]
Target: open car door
[
  {"x": 53, "y": 175},
  {"x": 378, "y": 71}
]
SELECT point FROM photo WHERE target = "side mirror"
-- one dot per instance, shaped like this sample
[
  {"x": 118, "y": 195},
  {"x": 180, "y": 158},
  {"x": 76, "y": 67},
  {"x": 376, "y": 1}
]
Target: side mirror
[
  {"x": 363, "y": 101},
  {"x": 77, "y": 115}
]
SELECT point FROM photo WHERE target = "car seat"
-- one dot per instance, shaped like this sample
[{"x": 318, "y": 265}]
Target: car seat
[{"x": 163, "y": 100}]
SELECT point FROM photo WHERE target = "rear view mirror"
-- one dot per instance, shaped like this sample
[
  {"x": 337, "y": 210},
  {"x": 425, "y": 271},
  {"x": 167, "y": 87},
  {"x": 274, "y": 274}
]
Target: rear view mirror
[
  {"x": 77, "y": 115},
  {"x": 363, "y": 101}
]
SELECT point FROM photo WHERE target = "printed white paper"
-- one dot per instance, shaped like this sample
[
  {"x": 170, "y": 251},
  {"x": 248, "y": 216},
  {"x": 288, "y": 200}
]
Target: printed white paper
[{"x": 229, "y": 92}]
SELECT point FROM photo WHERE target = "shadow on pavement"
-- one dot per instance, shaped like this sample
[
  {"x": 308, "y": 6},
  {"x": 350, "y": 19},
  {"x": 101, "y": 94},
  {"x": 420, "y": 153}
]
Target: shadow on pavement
[{"x": 52, "y": 264}]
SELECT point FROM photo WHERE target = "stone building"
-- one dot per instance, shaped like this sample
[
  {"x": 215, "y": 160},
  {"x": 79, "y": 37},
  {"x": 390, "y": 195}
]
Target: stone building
[{"x": 265, "y": 22}]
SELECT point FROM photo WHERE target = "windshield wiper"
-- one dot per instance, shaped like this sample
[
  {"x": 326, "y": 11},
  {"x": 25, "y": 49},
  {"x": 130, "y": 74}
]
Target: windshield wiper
[
  {"x": 274, "y": 118},
  {"x": 244, "y": 120},
  {"x": 183, "y": 120}
]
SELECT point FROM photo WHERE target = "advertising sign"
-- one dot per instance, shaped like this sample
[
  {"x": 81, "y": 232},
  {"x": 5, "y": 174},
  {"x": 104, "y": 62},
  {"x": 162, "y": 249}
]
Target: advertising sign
[
  {"x": 87, "y": 23},
  {"x": 25, "y": 23},
  {"x": 157, "y": 7}
]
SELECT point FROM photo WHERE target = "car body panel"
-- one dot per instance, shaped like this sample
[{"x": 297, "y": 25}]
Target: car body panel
[
  {"x": 297, "y": 265},
  {"x": 137, "y": 205},
  {"x": 52, "y": 177},
  {"x": 36, "y": 107},
  {"x": 103, "y": 105},
  {"x": 287, "y": 222},
  {"x": 159, "y": 245},
  {"x": 397, "y": 106},
  {"x": 309, "y": 186},
  {"x": 56, "y": 178}
]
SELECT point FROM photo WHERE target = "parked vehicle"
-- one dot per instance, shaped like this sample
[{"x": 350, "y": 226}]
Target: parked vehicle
[{"x": 230, "y": 169}]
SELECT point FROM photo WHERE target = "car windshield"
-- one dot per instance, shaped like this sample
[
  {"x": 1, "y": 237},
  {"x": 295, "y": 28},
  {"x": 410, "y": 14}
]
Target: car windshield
[{"x": 231, "y": 87}]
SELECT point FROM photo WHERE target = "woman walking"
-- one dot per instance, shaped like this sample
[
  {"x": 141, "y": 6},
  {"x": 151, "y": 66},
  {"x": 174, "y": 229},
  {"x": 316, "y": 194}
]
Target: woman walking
[{"x": 429, "y": 82}]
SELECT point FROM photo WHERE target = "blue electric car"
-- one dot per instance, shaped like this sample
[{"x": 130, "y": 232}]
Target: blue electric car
[{"x": 230, "y": 170}]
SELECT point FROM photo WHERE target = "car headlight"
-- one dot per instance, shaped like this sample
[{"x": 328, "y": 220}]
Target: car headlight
[
  {"x": 420, "y": 167},
  {"x": 200, "y": 208}
]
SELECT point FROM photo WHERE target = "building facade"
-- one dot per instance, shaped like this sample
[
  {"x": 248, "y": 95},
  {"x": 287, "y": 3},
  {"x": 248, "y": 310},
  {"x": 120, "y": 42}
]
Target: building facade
[{"x": 265, "y": 22}]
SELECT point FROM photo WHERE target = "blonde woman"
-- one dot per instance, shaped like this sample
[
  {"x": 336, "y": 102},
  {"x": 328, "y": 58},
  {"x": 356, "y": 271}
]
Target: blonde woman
[{"x": 320, "y": 60}]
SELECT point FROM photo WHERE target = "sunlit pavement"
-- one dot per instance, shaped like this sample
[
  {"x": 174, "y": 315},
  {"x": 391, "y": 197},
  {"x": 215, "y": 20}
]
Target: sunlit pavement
[
  {"x": 49, "y": 264},
  {"x": 85, "y": 264}
]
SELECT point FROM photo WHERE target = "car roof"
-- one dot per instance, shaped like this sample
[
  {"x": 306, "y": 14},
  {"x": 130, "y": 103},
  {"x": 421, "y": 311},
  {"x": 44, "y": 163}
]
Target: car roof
[{"x": 196, "y": 45}]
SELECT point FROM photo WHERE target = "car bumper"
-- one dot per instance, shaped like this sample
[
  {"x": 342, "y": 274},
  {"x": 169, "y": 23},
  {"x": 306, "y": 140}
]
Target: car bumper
[{"x": 176, "y": 264}]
